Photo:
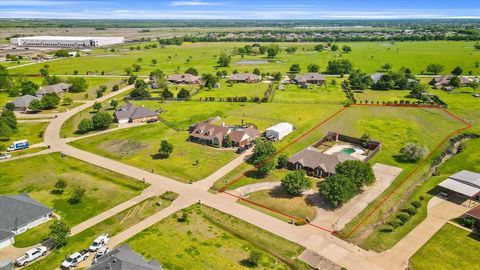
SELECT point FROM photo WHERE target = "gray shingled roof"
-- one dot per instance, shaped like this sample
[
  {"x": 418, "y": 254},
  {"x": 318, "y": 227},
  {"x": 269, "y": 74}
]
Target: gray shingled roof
[
  {"x": 131, "y": 111},
  {"x": 23, "y": 101},
  {"x": 124, "y": 258},
  {"x": 5, "y": 234},
  {"x": 19, "y": 210},
  {"x": 244, "y": 77},
  {"x": 186, "y": 77},
  {"x": 310, "y": 77},
  {"x": 312, "y": 158},
  {"x": 55, "y": 88}
]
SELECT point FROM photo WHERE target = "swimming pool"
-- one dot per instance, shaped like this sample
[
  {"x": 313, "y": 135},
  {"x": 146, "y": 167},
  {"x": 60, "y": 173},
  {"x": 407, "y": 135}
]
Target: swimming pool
[{"x": 348, "y": 151}]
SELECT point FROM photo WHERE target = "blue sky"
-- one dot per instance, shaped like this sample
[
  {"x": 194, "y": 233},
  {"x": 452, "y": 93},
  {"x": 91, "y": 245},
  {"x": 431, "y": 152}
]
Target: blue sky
[{"x": 245, "y": 9}]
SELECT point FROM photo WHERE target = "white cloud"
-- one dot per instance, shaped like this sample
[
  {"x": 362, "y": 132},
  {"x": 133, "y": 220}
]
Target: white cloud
[
  {"x": 194, "y": 3},
  {"x": 43, "y": 3}
]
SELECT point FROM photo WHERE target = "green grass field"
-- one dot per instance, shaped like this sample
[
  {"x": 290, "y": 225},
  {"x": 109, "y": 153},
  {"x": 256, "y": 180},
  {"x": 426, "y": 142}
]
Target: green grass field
[
  {"x": 248, "y": 90},
  {"x": 450, "y": 248},
  {"x": 367, "y": 56},
  {"x": 104, "y": 189},
  {"x": 33, "y": 132},
  {"x": 210, "y": 239},
  {"x": 112, "y": 226},
  {"x": 328, "y": 93}
]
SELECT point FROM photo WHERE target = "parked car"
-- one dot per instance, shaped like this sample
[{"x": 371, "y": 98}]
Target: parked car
[
  {"x": 4, "y": 156},
  {"x": 101, "y": 251},
  {"x": 18, "y": 145},
  {"x": 241, "y": 150},
  {"x": 476, "y": 95},
  {"x": 444, "y": 194},
  {"x": 74, "y": 259},
  {"x": 152, "y": 121},
  {"x": 99, "y": 242},
  {"x": 31, "y": 255}
]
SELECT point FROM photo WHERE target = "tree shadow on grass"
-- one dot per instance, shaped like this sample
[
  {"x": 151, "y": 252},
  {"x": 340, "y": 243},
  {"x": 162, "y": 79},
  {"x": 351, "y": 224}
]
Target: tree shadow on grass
[
  {"x": 280, "y": 193},
  {"x": 158, "y": 156}
]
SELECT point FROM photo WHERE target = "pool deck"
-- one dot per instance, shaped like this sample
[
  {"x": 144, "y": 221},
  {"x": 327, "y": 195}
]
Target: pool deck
[{"x": 340, "y": 147}]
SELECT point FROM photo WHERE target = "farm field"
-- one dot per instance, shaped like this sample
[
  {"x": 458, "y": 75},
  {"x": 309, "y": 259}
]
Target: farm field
[
  {"x": 386, "y": 96},
  {"x": 112, "y": 226},
  {"x": 248, "y": 90},
  {"x": 367, "y": 56},
  {"x": 207, "y": 236},
  {"x": 450, "y": 248},
  {"x": 104, "y": 189}
]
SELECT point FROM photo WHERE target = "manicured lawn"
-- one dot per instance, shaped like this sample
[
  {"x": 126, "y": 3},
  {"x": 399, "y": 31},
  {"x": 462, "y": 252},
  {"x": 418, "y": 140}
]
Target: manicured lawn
[
  {"x": 210, "y": 239},
  {"x": 328, "y": 93},
  {"x": 367, "y": 56},
  {"x": 279, "y": 200},
  {"x": 248, "y": 90},
  {"x": 112, "y": 226},
  {"x": 33, "y": 132},
  {"x": 450, "y": 248},
  {"x": 37, "y": 176},
  {"x": 138, "y": 147},
  {"x": 93, "y": 84}
]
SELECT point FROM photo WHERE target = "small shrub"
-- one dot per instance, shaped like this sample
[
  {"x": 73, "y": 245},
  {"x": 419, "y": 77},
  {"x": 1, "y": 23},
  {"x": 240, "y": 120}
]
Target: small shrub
[
  {"x": 416, "y": 204},
  {"x": 403, "y": 217},
  {"x": 183, "y": 218},
  {"x": 395, "y": 223},
  {"x": 412, "y": 211},
  {"x": 421, "y": 198},
  {"x": 388, "y": 228}
]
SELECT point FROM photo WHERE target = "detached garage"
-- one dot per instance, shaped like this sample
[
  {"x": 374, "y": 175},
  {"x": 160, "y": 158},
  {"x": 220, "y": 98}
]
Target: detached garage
[{"x": 279, "y": 131}]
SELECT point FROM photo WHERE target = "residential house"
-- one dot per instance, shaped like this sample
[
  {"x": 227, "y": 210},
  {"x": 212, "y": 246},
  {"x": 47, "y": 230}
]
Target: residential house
[
  {"x": 464, "y": 183},
  {"x": 310, "y": 78},
  {"x": 22, "y": 103},
  {"x": 20, "y": 213},
  {"x": 215, "y": 135},
  {"x": 184, "y": 79},
  {"x": 245, "y": 78},
  {"x": 376, "y": 77},
  {"x": 133, "y": 114},
  {"x": 444, "y": 81},
  {"x": 124, "y": 258},
  {"x": 316, "y": 163},
  {"x": 59, "y": 89}
]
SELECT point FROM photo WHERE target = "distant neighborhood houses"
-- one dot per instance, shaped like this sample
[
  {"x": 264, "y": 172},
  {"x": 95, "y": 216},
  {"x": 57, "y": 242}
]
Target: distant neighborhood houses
[
  {"x": 21, "y": 103},
  {"x": 321, "y": 158},
  {"x": 444, "y": 82},
  {"x": 216, "y": 135},
  {"x": 245, "y": 78},
  {"x": 184, "y": 79},
  {"x": 20, "y": 213},
  {"x": 59, "y": 89},
  {"x": 134, "y": 114},
  {"x": 310, "y": 78},
  {"x": 124, "y": 258}
]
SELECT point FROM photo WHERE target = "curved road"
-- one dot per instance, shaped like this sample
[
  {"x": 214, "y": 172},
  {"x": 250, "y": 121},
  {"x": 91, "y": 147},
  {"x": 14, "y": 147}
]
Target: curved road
[{"x": 322, "y": 243}]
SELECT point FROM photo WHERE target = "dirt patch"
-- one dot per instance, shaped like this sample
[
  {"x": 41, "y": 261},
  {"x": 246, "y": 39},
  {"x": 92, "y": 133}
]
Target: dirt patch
[{"x": 123, "y": 147}]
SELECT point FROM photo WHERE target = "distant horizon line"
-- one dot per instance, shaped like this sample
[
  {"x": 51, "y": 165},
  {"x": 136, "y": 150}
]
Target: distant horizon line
[{"x": 220, "y": 19}]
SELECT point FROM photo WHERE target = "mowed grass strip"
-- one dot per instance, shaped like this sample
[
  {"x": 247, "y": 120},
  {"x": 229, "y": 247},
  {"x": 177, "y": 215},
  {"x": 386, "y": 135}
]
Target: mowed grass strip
[
  {"x": 31, "y": 131},
  {"x": 450, "y": 248},
  {"x": 112, "y": 226},
  {"x": 210, "y": 239},
  {"x": 37, "y": 176}
]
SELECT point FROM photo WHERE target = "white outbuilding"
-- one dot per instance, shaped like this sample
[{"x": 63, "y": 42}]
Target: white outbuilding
[{"x": 279, "y": 131}]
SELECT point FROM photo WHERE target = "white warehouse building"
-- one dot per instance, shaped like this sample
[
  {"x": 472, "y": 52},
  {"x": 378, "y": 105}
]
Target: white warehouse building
[
  {"x": 65, "y": 41},
  {"x": 279, "y": 131}
]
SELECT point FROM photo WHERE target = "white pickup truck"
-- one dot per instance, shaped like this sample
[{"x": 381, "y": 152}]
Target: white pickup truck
[
  {"x": 74, "y": 259},
  {"x": 31, "y": 255},
  {"x": 99, "y": 242}
]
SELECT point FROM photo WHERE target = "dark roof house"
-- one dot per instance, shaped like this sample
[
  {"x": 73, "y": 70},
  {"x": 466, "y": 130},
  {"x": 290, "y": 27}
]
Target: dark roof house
[
  {"x": 132, "y": 113},
  {"x": 17, "y": 211},
  {"x": 124, "y": 258},
  {"x": 444, "y": 81},
  {"x": 314, "y": 78},
  {"x": 314, "y": 159},
  {"x": 212, "y": 134},
  {"x": 245, "y": 77},
  {"x": 184, "y": 78},
  {"x": 22, "y": 103},
  {"x": 58, "y": 89}
]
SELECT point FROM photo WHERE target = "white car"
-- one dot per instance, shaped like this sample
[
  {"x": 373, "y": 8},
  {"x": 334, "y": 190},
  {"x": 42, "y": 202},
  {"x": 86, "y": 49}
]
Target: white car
[
  {"x": 99, "y": 242},
  {"x": 31, "y": 255},
  {"x": 101, "y": 251},
  {"x": 74, "y": 259},
  {"x": 5, "y": 156}
]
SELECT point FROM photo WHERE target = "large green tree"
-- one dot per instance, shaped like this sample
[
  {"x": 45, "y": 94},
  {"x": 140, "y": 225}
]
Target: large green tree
[
  {"x": 79, "y": 84},
  {"x": 295, "y": 183},
  {"x": 224, "y": 60},
  {"x": 359, "y": 172},
  {"x": 101, "y": 120},
  {"x": 337, "y": 189},
  {"x": 59, "y": 232},
  {"x": 262, "y": 156}
]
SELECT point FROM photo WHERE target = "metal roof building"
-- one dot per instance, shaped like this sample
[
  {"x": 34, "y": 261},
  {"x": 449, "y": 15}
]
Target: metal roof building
[
  {"x": 279, "y": 130},
  {"x": 464, "y": 182}
]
